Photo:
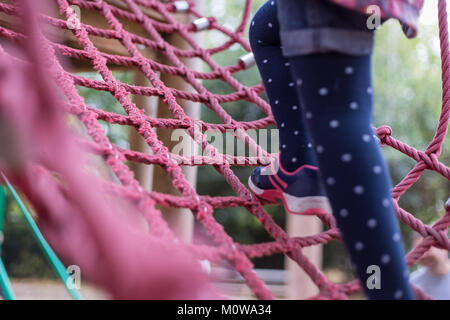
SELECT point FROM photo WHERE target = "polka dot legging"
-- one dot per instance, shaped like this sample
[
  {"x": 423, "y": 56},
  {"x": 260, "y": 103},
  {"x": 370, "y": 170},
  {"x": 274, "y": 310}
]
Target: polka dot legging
[{"x": 329, "y": 118}]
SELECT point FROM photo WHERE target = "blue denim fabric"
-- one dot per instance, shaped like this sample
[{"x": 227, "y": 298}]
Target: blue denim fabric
[{"x": 318, "y": 26}]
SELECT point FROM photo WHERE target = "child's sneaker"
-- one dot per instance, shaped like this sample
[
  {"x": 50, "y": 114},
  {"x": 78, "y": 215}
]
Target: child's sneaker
[{"x": 301, "y": 190}]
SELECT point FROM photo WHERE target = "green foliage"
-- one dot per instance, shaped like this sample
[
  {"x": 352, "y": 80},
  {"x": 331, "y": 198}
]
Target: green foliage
[
  {"x": 407, "y": 76},
  {"x": 21, "y": 253},
  {"x": 104, "y": 100}
]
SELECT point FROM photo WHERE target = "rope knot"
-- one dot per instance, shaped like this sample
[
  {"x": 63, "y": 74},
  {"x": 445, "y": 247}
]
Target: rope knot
[
  {"x": 212, "y": 20},
  {"x": 383, "y": 132}
]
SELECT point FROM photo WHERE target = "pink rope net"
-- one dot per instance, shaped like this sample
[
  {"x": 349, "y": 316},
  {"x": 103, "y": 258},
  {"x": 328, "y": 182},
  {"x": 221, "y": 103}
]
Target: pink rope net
[{"x": 96, "y": 222}]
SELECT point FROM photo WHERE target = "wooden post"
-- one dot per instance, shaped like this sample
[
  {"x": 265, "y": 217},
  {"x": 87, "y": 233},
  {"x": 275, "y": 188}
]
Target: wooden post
[
  {"x": 180, "y": 220},
  {"x": 143, "y": 172},
  {"x": 299, "y": 285}
]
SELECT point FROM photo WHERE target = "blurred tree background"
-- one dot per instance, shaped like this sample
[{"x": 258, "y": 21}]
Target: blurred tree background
[{"x": 408, "y": 99}]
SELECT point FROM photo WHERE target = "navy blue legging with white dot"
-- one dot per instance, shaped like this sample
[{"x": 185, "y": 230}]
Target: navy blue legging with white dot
[
  {"x": 325, "y": 100},
  {"x": 295, "y": 144}
]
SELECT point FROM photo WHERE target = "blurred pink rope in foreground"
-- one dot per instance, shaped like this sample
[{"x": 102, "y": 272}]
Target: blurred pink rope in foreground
[{"x": 112, "y": 229}]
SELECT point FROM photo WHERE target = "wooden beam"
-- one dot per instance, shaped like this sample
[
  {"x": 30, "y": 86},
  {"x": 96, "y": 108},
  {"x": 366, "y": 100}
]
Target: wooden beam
[
  {"x": 299, "y": 284},
  {"x": 92, "y": 18},
  {"x": 110, "y": 46},
  {"x": 142, "y": 172},
  {"x": 180, "y": 220}
]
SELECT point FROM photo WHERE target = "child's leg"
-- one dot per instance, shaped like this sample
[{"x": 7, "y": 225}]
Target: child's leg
[
  {"x": 296, "y": 180},
  {"x": 337, "y": 96},
  {"x": 295, "y": 146},
  {"x": 337, "y": 93}
]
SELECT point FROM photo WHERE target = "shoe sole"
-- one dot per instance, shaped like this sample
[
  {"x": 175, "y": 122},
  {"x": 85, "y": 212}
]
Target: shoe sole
[{"x": 294, "y": 205}]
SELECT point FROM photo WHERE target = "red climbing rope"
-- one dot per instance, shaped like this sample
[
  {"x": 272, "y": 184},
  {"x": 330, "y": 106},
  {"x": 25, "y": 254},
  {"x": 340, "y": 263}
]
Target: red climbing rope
[{"x": 38, "y": 122}]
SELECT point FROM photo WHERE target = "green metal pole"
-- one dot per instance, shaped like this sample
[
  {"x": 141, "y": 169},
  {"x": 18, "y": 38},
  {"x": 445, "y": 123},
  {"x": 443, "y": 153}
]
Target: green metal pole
[
  {"x": 5, "y": 284},
  {"x": 2, "y": 214},
  {"x": 48, "y": 251}
]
